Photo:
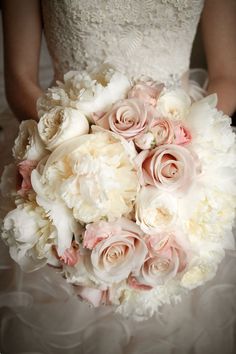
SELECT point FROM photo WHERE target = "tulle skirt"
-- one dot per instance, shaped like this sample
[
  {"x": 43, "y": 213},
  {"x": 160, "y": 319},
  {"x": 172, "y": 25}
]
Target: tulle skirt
[{"x": 41, "y": 313}]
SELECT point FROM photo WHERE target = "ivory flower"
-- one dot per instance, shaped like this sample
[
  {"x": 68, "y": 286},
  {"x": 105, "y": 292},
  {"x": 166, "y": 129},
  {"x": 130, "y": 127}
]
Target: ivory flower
[
  {"x": 29, "y": 234},
  {"x": 155, "y": 211},
  {"x": 28, "y": 144},
  {"x": 86, "y": 92},
  {"x": 61, "y": 124},
  {"x": 174, "y": 105},
  {"x": 94, "y": 175}
]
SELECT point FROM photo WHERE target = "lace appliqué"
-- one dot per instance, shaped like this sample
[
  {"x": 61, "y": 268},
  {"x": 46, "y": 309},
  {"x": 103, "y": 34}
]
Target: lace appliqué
[{"x": 142, "y": 37}]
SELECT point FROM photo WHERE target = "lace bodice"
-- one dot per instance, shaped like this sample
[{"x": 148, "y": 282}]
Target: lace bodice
[{"x": 148, "y": 37}]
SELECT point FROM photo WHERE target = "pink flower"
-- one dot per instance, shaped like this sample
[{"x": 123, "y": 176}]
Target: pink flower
[
  {"x": 127, "y": 118},
  {"x": 97, "y": 232},
  {"x": 94, "y": 296},
  {"x": 117, "y": 253},
  {"x": 71, "y": 255},
  {"x": 169, "y": 167},
  {"x": 182, "y": 135},
  {"x": 165, "y": 260},
  {"x": 147, "y": 91},
  {"x": 25, "y": 168},
  {"x": 163, "y": 131}
]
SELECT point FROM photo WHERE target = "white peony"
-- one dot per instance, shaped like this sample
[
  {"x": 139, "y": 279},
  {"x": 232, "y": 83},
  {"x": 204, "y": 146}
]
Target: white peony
[
  {"x": 30, "y": 235},
  {"x": 87, "y": 92},
  {"x": 28, "y": 144},
  {"x": 207, "y": 217},
  {"x": 198, "y": 274},
  {"x": 174, "y": 105},
  {"x": 61, "y": 124},
  {"x": 94, "y": 175},
  {"x": 155, "y": 211}
]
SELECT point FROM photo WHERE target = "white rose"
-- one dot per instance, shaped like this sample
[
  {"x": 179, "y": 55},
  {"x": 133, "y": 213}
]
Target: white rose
[
  {"x": 28, "y": 144},
  {"x": 61, "y": 124},
  {"x": 29, "y": 234},
  {"x": 155, "y": 211},
  {"x": 174, "y": 105}
]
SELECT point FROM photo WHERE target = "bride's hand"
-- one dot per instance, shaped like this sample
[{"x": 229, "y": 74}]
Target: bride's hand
[
  {"x": 22, "y": 30},
  {"x": 219, "y": 33}
]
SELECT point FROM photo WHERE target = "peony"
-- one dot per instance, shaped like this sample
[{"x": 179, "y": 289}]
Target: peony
[
  {"x": 165, "y": 260},
  {"x": 61, "y": 124},
  {"x": 198, "y": 274},
  {"x": 86, "y": 92},
  {"x": 155, "y": 211},
  {"x": 168, "y": 167},
  {"x": 147, "y": 91},
  {"x": 174, "y": 105},
  {"x": 30, "y": 235},
  {"x": 93, "y": 175},
  {"x": 117, "y": 252},
  {"x": 128, "y": 118},
  {"x": 28, "y": 144}
]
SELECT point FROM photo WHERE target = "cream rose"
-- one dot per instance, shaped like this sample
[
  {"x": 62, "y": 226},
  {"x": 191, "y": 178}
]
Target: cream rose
[
  {"x": 117, "y": 252},
  {"x": 174, "y": 105},
  {"x": 29, "y": 234},
  {"x": 128, "y": 118},
  {"x": 28, "y": 144},
  {"x": 61, "y": 124},
  {"x": 155, "y": 210},
  {"x": 168, "y": 167}
]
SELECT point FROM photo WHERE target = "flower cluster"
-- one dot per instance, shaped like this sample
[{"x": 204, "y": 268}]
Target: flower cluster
[{"x": 127, "y": 187}]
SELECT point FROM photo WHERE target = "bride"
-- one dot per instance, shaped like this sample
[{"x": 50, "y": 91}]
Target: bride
[{"x": 40, "y": 312}]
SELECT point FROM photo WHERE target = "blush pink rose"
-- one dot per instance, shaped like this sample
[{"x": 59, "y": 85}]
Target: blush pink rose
[
  {"x": 147, "y": 91},
  {"x": 182, "y": 135},
  {"x": 168, "y": 167},
  {"x": 25, "y": 168},
  {"x": 128, "y": 118},
  {"x": 163, "y": 131},
  {"x": 165, "y": 260},
  {"x": 96, "y": 297},
  {"x": 117, "y": 254},
  {"x": 71, "y": 255}
]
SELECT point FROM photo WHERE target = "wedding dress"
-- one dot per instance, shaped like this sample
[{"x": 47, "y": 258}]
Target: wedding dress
[{"x": 40, "y": 312}]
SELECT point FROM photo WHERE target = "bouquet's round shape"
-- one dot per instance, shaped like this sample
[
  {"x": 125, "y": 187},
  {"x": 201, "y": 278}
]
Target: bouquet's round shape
[{"x": 124, "y": 186}]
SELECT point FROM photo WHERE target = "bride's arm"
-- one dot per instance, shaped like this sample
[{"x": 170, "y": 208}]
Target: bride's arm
[
  {"x": 22, "y": 39},
  {"x": 219, "y": 37}
]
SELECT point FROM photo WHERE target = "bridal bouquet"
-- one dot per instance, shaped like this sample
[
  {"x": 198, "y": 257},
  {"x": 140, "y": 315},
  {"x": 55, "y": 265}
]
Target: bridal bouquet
[{"x": 127, "y": 188}]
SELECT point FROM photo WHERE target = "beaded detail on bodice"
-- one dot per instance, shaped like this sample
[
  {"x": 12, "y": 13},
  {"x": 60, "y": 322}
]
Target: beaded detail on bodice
[{"x": 137, "y": 37}]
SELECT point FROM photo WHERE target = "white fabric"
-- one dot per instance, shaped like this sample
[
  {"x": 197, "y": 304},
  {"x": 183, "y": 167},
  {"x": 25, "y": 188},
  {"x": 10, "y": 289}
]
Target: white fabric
[
  {"x": 39, "y": 312},
  {"x": 149, "y": 37}
]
